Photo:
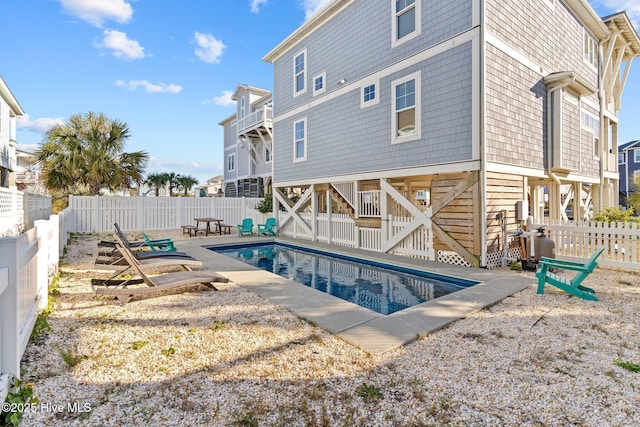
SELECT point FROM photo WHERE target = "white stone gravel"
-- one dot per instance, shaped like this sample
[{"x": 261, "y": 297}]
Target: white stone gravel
[{"x": 532, "y": 360}]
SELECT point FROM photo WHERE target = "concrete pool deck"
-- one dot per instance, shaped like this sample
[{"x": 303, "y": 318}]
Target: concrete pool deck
[{"x": 373, "y": 332}]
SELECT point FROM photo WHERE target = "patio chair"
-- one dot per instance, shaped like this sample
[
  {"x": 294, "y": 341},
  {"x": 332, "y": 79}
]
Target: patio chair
[
  {"x": 158, "y": 285},
  {"x": 246, "y": 227},
  {"x": 115, "y": 260},
  {"x": 137, "y": 245},
  {"x": 268, "y": 228},
  {"x": 163, "y": 259},
  {"x": 572, "y": 285},
  {"x": 162, "y": 246}
]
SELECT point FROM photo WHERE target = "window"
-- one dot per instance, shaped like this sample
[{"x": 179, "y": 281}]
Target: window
[
  {"x": 590, "y": 50},
  {"x": 267, "y": 152},
  {"x": 242, "y": 108},
  {"x": 406, "y": 108},
  {"x": 231, "y": 162},
  {"x": 319, "y": 84},
  {"x": 406, "y": 20},
  {"x": 636, "y": 176},
  {"x": 592, "y": 123},
  {"x": 369, "y": 94},
  {"x": 621, "y": 157},
  {"x": 636, "y": 156},
  {"x": 300, "y": 140},
  {"x": 299, "y": 71}
]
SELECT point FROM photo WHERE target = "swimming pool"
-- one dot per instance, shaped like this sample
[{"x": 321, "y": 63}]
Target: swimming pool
[{"x": 382, "y": 288}]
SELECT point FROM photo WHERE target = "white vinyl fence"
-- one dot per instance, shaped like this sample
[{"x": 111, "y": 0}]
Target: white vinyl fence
[
  {"x": 19, "y": 210},
  {"x": 27, "y": 263},
  {"x": 581, "y": 238},
  {"x": 98, "y": 214}
]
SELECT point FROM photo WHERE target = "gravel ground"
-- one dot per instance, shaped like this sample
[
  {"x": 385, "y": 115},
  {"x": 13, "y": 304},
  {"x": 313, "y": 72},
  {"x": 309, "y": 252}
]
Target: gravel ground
[{"x": 207, "y": 358}]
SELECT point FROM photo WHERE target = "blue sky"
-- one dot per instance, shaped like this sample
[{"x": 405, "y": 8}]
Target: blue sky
[{"x": 167, "y": 68}]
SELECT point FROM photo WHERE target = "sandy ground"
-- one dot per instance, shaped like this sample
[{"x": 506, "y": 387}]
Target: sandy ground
[{"x": 227, "y": 357}]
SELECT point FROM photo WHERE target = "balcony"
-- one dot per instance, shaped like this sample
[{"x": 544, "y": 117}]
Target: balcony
[{"x": 256, "y": 124}]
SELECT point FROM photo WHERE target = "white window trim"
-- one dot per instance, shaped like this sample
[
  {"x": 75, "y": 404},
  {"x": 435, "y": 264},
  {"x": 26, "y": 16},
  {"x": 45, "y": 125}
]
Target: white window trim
[
  {"x": 624, "y": 158},
  {"x": 636, "y": 175},
  {"x": 242, "y": 108},
  {"x": 394, "y": 24},
  {"x": 306, "y": 132},
  {"x": 376, "y": 100},
  {"x": 229, "y": 157},
  {"x": 395, "y": 139},
  {"x": 592, "y": 131},
  {"x": 595, "y": 46},
  {"x": 304, "y": 72},
  {"x": 324, "y": 83},
  {"x": 268, "y": 146},
  {"x": 636, "y": 156}
]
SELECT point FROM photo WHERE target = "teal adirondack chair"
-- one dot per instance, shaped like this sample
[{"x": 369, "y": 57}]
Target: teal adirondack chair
[
  {"x": 246, "y": 227},
  {"x": 268, "y": 228},
  {"x": 570, "y": 285},
  {"x": 164, "y": 245}
]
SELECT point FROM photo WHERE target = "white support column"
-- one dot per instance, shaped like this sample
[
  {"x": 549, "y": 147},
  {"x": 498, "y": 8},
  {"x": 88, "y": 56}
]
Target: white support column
[{"x": 329, "y": 216}]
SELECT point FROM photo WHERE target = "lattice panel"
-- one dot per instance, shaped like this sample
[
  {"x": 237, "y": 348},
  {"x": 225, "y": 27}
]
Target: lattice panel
[
  {"x": 494, "y": 259},
  {"x": 450, "y": 257}
]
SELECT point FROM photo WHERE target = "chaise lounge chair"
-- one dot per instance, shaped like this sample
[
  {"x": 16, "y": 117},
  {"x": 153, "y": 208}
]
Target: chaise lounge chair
[
  {"x": 569, "y": 285},
  {"x": 137, "y": 245},
  {"x": 268, "y": 228},
  {"x": 246, "y": 227},
  {"x": 158, "y": 285},
  {"x": 146, "y": 260}
]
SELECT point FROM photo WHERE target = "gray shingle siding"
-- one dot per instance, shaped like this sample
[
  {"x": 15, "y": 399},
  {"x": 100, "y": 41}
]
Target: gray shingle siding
[
  {"x": 357, "y": 42},
  {"x": 343, "y": 139},
  {"x": 550, "y": 37}
]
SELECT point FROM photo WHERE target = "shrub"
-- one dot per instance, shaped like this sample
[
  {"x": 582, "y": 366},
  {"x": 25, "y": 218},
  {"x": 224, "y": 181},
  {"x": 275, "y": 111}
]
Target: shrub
[{"x": 615, "y": 215}]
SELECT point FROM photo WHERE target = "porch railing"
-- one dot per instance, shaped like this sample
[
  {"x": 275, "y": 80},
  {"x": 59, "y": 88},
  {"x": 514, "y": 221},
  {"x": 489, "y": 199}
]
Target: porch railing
[{"x": 261, "y": 117}]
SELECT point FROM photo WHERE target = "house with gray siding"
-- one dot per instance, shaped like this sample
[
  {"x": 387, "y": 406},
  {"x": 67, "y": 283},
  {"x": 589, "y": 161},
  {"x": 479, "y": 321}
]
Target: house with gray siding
[
  {"x": 431, "y": 128},
  {"x": 248, "y": 146},
  {"x": 629, "y": 167}
]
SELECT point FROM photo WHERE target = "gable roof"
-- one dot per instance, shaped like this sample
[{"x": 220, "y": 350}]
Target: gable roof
[
  {"x": 620, "y": 22},
  {"x": 316, "y": 21},
  {"x": 5, "y": 93},
  {"x": 628, "y": 145}
]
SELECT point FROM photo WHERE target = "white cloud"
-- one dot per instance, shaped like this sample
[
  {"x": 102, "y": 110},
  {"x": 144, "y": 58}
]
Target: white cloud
[
  {"x": 209, "y": 48},
  {"x": 312, "y": 6},
  {"x": 632, "y": 7},
  {"x": 150, "y": 87},
  {"x": 40, "y": 125},
  {"x": 120, "y": 45},
  {"x": 255, "y": 5},
  {"x": 223, "y": 100},
  {"x": 96, "y": 12}
]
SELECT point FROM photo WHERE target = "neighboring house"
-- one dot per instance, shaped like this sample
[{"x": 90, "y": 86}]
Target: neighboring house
[
  {"x": 248, "y": 147},
  {"x": 9, "y": 111},
  {"x": 437, "y": 125},
  {"x": 629, "y": 166},
  {"x": 28, "y": 174},
  {"x": 213, "y": 187}
]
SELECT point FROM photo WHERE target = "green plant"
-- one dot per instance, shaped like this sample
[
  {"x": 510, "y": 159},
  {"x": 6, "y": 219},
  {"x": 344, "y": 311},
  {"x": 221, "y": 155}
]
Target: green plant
[
  {"x": 515, "y": 266},
  {"x": 19, "y": 396},
  {"x": 71, "y": 358},
  {"x": 629, "y": 366},
  {"x": 369, "y": 392},
  {"x": 266, "y": 204},
  {"x": 217, "y": 325},
  {"x": 615, "y": 215},
  {"x": 169, "y": 351},
  {"x": 40, "y": 328},
  {"x": 137, "y": 345},
  {"x": 245, "y": 419}
]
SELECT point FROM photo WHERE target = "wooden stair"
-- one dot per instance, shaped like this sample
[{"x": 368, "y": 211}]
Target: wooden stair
[{"x": 343, "y": 205}]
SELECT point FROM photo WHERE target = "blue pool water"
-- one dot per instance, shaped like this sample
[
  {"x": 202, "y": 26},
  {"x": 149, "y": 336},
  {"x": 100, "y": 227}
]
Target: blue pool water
[{"x": 384, "y": 289}]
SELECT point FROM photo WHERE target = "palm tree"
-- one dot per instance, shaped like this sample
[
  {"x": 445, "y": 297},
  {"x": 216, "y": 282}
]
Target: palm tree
[
  {"x": 186, "y": 182},
  {"x": 85, "y": 154},
  {"x": 172, "y": 181},
  {"x": 157, "y": 181}
]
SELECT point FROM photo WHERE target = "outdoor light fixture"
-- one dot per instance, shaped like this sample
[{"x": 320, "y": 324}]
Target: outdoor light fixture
[{"x": 342, "y": 81}]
